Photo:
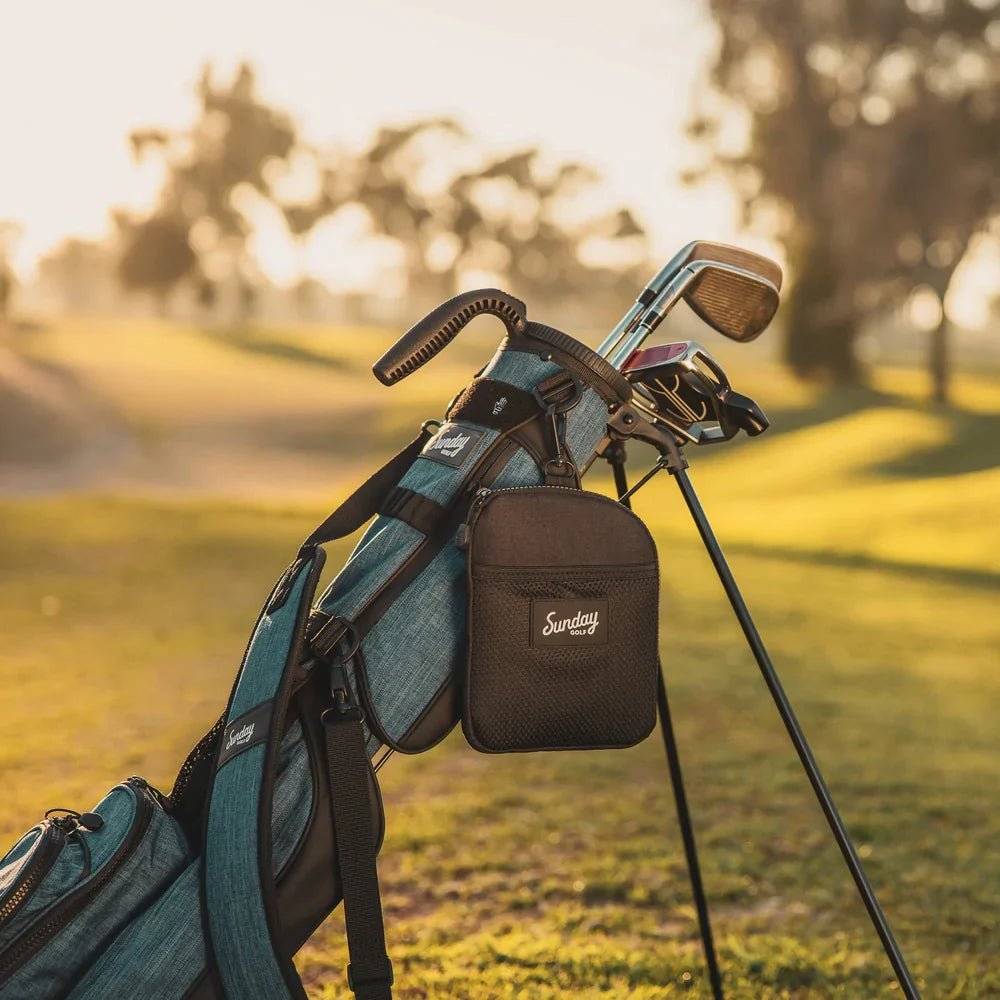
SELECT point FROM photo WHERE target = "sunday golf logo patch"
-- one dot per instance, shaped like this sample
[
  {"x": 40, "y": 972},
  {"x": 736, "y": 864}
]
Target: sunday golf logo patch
[
  {"x": 241, "y": 737},
  {"x": 452, "y": 445},
  {"x": 569, "y": 623},
  {"x": 247, "y": 731}
]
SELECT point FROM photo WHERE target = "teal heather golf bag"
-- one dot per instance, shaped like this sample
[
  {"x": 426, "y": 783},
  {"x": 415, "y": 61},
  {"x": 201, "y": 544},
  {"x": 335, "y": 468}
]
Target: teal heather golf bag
[{"x": 275, "y": 815}]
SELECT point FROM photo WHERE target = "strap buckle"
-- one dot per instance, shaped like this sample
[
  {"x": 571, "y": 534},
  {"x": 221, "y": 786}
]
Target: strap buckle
[
  {"x": 387, "y": 977},
  {"x": 326, "y": 632}
]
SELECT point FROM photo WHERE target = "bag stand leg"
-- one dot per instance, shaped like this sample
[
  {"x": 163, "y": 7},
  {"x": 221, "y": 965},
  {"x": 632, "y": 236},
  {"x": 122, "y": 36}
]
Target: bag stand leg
[
  {"x": 816, "y": 780},
  {"x": 616, "y": 458},
  {"x": 687, "y": 835},
  {"x": 673, "y": 461}
]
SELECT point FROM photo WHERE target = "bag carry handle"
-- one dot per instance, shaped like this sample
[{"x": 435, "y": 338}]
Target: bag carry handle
[{"x": 439, "y": 328}]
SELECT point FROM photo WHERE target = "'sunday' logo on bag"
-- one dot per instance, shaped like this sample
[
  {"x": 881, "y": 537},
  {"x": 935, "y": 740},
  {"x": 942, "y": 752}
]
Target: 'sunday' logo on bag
[
  {"x": 247, "y": 731},
  {"x": 241, "y": 737},
  {"x": 569, "y": 623},
  {"x": 452, "y": 445}
]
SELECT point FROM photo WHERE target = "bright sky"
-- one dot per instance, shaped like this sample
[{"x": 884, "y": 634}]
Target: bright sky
[{"x": 608, "y": 83}]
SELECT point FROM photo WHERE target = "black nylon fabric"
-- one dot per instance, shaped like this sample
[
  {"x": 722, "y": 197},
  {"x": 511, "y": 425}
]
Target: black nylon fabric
[
  {"x": 563, "y": 623},
  {"x": 370, "y": 971},
  {"x": 363, "y": 503},
  {"x": 492, "y": 403}
]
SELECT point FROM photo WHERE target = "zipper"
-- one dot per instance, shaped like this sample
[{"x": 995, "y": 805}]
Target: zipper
[
  {"x": 33, "y": 938},
  {"x": 44, "y": 855},
  {"x": 463, "y": 537}
]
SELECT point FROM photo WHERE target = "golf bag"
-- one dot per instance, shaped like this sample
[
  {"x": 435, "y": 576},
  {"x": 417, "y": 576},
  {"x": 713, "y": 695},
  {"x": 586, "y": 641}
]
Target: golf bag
[
  {"x": 487, "y": 585},
  {"x": 276, "y": 815}
]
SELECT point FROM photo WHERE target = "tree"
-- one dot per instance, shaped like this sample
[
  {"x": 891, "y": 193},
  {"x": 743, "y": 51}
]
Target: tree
[
  {"x": 9, "y": 234},
  {"x": 507, "y": 217},
  {"x": 200, "y": 228},
  {"x": 81, "y": 273},
  {"x": 873, "y": 132},
  {"x": 157, "y": 255}
]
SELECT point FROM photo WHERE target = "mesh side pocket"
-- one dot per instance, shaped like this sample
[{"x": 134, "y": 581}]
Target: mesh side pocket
[{"x": 561, "y": 658}]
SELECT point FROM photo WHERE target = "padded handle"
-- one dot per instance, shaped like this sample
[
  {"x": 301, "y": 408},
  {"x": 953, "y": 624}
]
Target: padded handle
[{"x": 439, "y": 328}]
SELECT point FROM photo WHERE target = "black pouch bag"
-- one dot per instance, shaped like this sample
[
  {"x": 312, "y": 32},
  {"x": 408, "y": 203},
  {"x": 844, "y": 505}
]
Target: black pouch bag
[{"x": 563, "y": 617}]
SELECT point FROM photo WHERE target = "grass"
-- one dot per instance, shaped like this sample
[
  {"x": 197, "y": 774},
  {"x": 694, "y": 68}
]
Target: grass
[{"x": 872, "y": 571}]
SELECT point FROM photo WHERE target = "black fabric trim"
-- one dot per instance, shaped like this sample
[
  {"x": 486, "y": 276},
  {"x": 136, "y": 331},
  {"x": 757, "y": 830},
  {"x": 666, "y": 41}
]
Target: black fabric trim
[
  {"x": 492, "y": 403},
  {"x": 414, "y": 509}
]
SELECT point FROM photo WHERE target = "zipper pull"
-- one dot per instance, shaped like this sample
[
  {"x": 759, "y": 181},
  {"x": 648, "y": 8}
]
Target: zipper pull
[{"x": 464, "y": 534}]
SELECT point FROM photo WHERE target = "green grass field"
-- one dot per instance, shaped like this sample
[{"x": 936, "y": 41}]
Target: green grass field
[{"x": 863, "y": 529}]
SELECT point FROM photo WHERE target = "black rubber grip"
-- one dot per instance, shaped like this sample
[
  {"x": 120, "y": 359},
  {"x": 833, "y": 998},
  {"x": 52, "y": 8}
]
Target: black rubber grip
[{"x": 439, "y": 328}]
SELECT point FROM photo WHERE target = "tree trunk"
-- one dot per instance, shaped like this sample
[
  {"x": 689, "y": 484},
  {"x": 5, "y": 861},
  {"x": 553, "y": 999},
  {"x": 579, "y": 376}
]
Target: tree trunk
[
  {"x": 938, "y": 361},
  {"x": 819, "y": 337},
  {"x": 819, "y": 346}
]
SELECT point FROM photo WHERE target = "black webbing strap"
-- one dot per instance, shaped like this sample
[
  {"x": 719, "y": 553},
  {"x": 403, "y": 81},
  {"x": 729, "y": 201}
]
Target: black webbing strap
[
  {"x": 363, "y": 504},
  {"x": 414, "y": 508},
  {"x": 370, "y": 972}
]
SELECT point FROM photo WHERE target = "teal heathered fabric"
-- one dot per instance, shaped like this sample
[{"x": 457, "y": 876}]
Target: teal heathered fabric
[
  {"x": 235, "y": 904},
  {"x": 157, "y": 860},
  {"x": 117, "y": 809},
  {"x": 267, "y": 652},
  {"x": 420, "y": 641},
  {"x": 161, "y": 953}
]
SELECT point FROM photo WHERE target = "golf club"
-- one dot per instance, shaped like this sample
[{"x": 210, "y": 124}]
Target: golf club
[
  {"x": 713, "y": 301},
  {"x": 683, "y": 386}
]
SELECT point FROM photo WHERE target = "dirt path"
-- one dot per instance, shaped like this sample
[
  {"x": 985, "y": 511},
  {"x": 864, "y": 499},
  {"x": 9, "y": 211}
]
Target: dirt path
[{"x": 54, "y": 433}]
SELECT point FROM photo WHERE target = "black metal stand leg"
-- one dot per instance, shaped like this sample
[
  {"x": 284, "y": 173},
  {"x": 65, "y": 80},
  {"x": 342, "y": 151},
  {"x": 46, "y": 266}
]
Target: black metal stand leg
[
  {"x": 687, "y": 835},
  {"x": 798, "y": 738},
  {"x": 617, "y": 461}
]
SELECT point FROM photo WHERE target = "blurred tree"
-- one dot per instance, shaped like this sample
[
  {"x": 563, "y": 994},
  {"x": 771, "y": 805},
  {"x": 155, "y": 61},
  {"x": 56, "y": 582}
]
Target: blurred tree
[
  {"x": 872, "y": 153},
  {"x": 157, "y": 254},
  {"x": 426, "y": 187},
  {"x": 534, "y": 227},
  {"x": 10, "y": 232},
  {"x": 214, "y": 171},
  {"x": 81, "y": 273}
]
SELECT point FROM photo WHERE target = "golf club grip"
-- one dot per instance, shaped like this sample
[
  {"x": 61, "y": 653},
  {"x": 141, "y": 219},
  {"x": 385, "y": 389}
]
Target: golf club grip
[{"x": 439, "y": 328}]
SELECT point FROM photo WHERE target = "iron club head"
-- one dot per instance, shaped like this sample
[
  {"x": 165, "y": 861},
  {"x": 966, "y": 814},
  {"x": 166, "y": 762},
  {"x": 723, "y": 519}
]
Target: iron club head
[{"x": 735, "y": 291}]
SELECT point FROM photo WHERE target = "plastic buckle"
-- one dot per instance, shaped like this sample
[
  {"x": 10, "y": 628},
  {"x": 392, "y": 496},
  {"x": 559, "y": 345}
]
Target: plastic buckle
[
  {"x": 388, "y": 978},
  {"x": 325, "y": 639},
  {"x": 555, "y": 404}
]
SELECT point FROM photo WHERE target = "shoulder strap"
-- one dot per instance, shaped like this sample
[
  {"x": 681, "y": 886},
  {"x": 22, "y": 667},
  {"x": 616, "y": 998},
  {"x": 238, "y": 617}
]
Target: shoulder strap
[
  {"x": 237, "y": 879},
  {"x": 370, "y": 972},
  {"x": 238, "y": 886},
  {"x": 364, "y": 503}
]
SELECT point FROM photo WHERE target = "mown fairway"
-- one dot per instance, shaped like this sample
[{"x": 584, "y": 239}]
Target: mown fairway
[{"x": 863, "y": 529}]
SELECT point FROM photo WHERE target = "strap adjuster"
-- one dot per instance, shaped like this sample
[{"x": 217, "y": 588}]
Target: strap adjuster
[
  {"x": 326, "y": 632},
  {"x": 388, "y": 977}
]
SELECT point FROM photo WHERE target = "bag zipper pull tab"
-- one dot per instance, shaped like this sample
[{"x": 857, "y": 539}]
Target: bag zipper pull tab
[{"x": 464, "y": 534}]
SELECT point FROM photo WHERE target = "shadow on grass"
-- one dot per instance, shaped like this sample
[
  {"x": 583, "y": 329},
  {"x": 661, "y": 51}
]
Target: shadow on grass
[
  {"x": 250, "y": 341},
  {"x": 858, "y": 560},
  {"x": 834, "y": 404},
  {"x": 971, "y": 447}
]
